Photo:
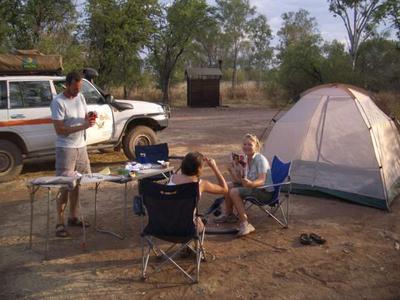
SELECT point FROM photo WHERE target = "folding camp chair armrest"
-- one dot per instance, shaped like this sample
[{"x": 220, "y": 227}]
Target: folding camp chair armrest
[{"x": 272, "y": 185}]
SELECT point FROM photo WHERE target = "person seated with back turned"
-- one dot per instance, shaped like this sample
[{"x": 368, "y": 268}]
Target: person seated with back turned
[
  {"x": 191, "y": 170},
  {"x": 257, "y": 173}
]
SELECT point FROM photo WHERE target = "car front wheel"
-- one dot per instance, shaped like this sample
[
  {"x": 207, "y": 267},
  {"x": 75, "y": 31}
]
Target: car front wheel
[
  {"x": 137, "y": 136},
  {"x": 10, "y": 161}
]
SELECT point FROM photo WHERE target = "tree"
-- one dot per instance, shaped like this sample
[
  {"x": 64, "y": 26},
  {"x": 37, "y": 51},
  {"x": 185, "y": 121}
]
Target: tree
[
  {"x": 336, "y": 64},
  {"x": 116, "y": 31},
  {"x": 378, "y": 65},
  {"x": 298, "y": 27},
  {"x": 394, "y": 15},
  {"x": 176, "y": 27},
  {"x": 360, "y": 17},
  {"x": 300, "y": 55},
  {"x": 234, "y": 16},
  {"x": 260, "y": 36}
]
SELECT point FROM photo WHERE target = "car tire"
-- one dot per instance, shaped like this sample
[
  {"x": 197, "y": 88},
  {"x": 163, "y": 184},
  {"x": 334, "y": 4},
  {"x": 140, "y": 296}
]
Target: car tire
[
  {"x": 10, "y": 160},
  {"x": 139, "y": 135}
]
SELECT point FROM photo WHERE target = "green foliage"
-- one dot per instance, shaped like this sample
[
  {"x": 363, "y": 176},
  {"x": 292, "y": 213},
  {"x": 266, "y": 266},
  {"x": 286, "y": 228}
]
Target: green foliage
[
  {"x": 378, "y": 66},
  {"x": 298, "y": 27},
  {"x": 360, "y": 17},
  {"x": 300, "y": 67},
  {"x": 176, "y": 27},
  {"x": 300, "y": 55},
  {"x": 234, "y": 16},
  {"x": 336, "y": 65},
  {"x": 116, "y": 31},
  {"x": 260, "y": 35}
]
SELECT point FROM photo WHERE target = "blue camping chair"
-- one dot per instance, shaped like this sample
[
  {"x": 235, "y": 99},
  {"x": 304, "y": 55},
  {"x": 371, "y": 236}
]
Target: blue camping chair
[
  {"x": 280, "y": 171},
  {"x": 152, "y": 153}
]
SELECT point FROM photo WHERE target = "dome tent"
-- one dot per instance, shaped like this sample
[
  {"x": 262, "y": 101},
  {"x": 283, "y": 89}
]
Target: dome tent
[{"x": 341, "y": 144}]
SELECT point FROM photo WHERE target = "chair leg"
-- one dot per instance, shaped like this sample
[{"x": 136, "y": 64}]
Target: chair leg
[
  {"x": 198, "y": 259},
  {"x": 145, "y": 259}
]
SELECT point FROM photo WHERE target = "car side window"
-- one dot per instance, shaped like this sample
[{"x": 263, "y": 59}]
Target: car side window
[
  {"x": 92, "y": 96},
  {"x": 27, "y": 94},
  {"x": 3, "y": 94}
]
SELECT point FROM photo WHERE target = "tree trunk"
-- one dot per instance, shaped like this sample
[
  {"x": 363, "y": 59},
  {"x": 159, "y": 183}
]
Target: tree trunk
[
  {"x": 234, "y": 73},
  {"x": 126, "y": 92},
  {"x": 165, "y": 88},
  {"x": 259, "y": 78}
]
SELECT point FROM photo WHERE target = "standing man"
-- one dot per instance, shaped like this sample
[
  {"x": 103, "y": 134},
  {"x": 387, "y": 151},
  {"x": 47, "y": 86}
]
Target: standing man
[{"x": 70, "y": 119}]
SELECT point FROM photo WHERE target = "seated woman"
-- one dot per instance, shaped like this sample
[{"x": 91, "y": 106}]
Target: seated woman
[
  {"x": 191, "y": 170},
  {"x": 257, "y": 173}
]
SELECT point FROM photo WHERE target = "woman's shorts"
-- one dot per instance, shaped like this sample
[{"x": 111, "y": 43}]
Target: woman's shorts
[{"x": 261, "y": 195}]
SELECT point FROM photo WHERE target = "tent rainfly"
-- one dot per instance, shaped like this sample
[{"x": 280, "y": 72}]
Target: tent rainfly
[{"x": 341, "y": 144}]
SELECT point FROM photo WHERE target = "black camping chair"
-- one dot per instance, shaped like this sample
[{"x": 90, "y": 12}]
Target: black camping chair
[
  {"x": 170, "y": 210},
  {"x": 280, "y": 171},
  {"x": 151, "y": 154}
]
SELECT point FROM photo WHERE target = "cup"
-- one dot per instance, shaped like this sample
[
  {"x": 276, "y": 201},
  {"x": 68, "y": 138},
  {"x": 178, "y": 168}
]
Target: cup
[{"x": 92, "y": 116}]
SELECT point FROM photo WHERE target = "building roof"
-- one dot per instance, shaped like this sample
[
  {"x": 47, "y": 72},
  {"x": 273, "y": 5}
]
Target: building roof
[{"x": 203, "y": 73}]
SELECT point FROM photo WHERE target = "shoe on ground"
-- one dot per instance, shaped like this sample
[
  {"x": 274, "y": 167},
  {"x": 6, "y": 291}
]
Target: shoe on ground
[
  {"x": 77, "y": 222},
  {"x": 61, "y": 231},
  {"x": 231, "y": 218},
  {"x": 245, "y": 229}
]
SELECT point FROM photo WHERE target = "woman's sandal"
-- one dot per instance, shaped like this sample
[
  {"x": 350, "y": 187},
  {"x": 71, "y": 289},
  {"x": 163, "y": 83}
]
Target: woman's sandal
[
  {"x": 61, "y": 231},
  {"x": 77, "y": 222},
  {"x": 305, "y": 239},
  {"x": 318, "y": 239}
]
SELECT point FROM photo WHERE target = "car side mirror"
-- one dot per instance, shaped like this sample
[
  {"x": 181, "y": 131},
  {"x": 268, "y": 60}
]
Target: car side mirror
[{"x": 109, "y": 99}]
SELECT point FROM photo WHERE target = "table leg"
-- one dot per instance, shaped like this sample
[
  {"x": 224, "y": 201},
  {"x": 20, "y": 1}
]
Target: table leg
[
  {"x": 125, "y": 209},
  {"x": 32, "y": 198},
  {"x": 48, "y": 223},
  {"x": 95, "y": 204},
  {"x": 83, "y": 245}
]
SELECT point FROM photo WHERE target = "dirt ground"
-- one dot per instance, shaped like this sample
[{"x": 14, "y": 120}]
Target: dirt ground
[{"x": 361, "y": 259}]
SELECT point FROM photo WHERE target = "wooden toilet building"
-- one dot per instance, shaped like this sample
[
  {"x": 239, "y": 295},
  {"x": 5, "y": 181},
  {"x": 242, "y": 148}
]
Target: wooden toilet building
[{"x": 203, "y": 87}]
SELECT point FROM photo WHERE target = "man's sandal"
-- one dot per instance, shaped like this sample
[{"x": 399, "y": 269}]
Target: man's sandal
[
  {"x": 77, "y": 222},
  {"x": 61, "y": 231}
]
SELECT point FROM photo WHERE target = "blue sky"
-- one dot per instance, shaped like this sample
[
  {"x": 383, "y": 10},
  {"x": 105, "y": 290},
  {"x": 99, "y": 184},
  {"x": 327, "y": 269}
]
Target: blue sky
[{"x": 329, "y": 26}]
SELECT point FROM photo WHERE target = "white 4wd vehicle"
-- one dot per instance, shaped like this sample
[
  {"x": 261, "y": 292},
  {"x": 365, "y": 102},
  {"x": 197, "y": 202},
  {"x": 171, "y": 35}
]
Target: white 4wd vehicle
[{"x": 27, "y": 132}]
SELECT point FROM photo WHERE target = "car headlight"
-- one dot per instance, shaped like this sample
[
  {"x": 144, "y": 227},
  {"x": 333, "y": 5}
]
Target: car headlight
[{"x": 167, "y": 109}]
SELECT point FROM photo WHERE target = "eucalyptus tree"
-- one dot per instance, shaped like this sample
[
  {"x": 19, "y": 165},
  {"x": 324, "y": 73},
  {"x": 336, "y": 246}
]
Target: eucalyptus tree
[
  {"x": 234, "y": 16},
  {"x": 300, "y": 56},
  {"x": 260, "y": 37},
  {"x": 116, "y": 32},
  {"x": 360, "y": 18},
  {"x": 176, "y": 27}
]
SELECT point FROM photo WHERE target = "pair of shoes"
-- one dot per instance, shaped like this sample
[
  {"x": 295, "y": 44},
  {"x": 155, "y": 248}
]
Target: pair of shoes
[
  {"x": 77, "y": 222},
  {"x": 306, "y": 239},
  {"x": 61, "y": 231},
  {"x": 245, "y": 229},
  {"x": 231, "y": 218}
]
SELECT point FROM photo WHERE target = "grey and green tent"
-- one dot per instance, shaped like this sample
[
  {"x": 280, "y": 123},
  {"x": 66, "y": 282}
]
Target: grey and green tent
[{"x": 341, "y": 144}]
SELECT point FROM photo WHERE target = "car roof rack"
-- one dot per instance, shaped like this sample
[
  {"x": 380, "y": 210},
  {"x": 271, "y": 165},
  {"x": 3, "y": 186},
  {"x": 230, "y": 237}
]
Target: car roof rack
[{"x": 30, "y": 62}]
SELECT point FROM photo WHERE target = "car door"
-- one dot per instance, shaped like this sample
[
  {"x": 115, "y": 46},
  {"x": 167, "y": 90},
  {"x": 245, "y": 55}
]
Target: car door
[
  {"x": 29, "y": 113},
  {"x": 3, "y": 104},
  {"x": 102, "y": 131}
]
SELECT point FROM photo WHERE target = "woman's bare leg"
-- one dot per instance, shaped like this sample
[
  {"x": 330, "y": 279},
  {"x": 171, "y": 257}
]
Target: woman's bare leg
[
  {"x": 238, "y": 204},
  {"x": 228, "y": 201}
]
